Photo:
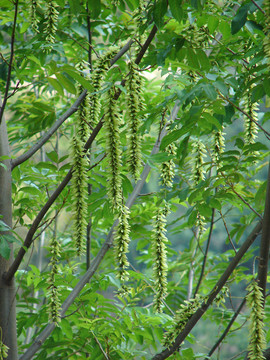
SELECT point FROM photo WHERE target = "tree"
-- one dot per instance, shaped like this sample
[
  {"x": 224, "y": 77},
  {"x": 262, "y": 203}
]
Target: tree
[{"x": 133, "y": 183}]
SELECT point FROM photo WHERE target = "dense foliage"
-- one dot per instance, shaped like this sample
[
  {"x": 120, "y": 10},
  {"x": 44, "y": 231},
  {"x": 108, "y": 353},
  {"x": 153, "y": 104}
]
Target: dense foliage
[{"x": 139, "y": 136}]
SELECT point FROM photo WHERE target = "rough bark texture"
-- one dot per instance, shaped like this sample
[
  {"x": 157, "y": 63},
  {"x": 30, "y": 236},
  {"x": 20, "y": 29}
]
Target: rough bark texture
[{"x": 7, "y": 290}]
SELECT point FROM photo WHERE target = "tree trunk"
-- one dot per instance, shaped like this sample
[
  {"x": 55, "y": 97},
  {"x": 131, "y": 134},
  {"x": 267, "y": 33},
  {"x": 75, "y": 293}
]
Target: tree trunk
[{"x": 7, "y": 290}]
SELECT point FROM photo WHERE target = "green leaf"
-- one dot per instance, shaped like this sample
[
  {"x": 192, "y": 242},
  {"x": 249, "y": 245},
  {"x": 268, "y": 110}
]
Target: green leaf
[
  {"x": 176, "y": 9},
  {"x": 212, "y": 120},
  {"x": 172, "y": 136},
  {"x": 210, "y": 91},
  {"x": 78, "y": 77},
  {"x": 94, "y": 7},
  {"x": 6, "y": 4},
  {"x": 260, "y": 195},
  {"x": 160, "y": 9},
  {"x": 240, "y": 19},
  {"x": 30, "y": 190},
  {"x": 56, "y": 85},
  {"x": 66, "y": 83},
  {"x": 75, "y": 6},
  {"x": 4, "y": 248}
]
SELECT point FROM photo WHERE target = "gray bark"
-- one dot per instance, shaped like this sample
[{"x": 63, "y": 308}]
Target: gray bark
[{"x": 7, "y": 289}]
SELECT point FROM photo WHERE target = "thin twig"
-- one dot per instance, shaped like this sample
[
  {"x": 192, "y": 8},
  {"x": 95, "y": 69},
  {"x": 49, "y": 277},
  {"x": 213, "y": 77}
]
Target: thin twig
[
  {"x": 206, "y": 252},
  {"x": 258, "y": 6},
  {"x": 243, "y": 112},
  {"x": 227, "y": 230},
  {"x": 240, "y": 197},
  {"x": 100, "y": 346}
]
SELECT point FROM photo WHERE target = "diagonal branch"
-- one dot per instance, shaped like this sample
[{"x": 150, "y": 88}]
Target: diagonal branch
[
  {"x": 265, "y": 240},
  {"x": 105, "y": 247},
  {"x": 221, "y": 282},
  {"x": 29, "y": 237},
  {"x": 2, "y": 108}
]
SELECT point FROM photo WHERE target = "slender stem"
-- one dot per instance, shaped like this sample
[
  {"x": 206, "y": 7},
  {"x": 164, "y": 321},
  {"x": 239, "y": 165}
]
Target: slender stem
[
  {"x": 227, "y": 231},
  {"x": 206, "y": 252},
  {"x": 258, "y": 6},
  {"x": 216, "y": 289},
  {"x": 2, "y": 108}
]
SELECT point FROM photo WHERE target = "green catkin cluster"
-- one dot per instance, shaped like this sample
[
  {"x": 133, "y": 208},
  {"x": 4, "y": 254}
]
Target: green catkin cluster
[
  {"x": 198, "y": 175},
  {"x": 251, "y": 129},
  {"x": 79, "y": 183},
  {"x": 112, "y": 125},
  {"x": 257, "y": 341},
  {"x": 167, "y": 167},
  {"x": 82, "y": 125},
  {"x": 54, "y": 305},
  {"x": 33, "y": 15},
  {"x": 197, "y": 37},
  {"x": 101, "y": 67},
  {"x": 79, "y": 193},
  {"x": 134, "y": 107},
  {"x": 218, "y": 148},
  {"x": 267, "y": 29},
  {"x": 159, "y": 241},
  {"x": 181, "y": 318},
  {"x": 200, "y": 225},
  {"x": 198, "y": 171},
  {"x": 121, "y": 242},
  {"x": 51, "y": 17}
]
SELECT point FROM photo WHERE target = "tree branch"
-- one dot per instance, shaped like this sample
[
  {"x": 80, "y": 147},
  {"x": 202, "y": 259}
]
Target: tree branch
[
  {"x": 265, "y": 240},
  {"x": 2, "y": 108},
  {"x": 29, "y": 237},
  {"x": 221, "y": 282},
  {"x": 105, "y": 247}
]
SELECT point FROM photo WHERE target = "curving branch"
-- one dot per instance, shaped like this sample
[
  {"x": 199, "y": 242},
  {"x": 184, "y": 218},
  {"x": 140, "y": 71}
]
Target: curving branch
[
  {"x": 221, "y": 282},
  {"x": 102, "y": 252},
  {"x": 2, "y": 108}
]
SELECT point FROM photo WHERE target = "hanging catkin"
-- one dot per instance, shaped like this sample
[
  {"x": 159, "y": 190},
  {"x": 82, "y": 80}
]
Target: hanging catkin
[
  {"x": 134, "y": 107},
  {"x": 111, "y": 125}
]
